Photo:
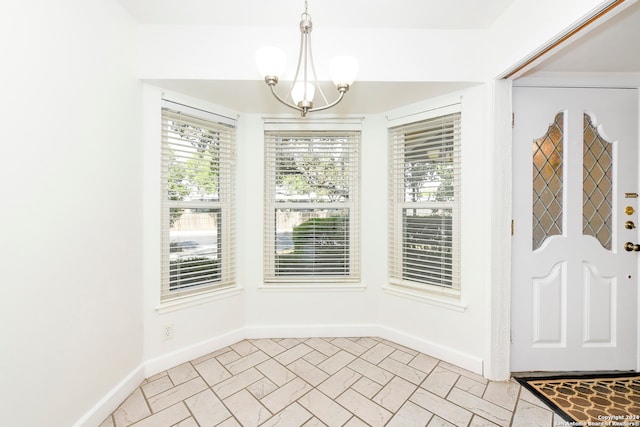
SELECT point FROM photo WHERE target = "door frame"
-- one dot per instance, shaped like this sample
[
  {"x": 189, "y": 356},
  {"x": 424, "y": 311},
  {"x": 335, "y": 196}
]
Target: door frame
[{"x": 500, "y": 306}]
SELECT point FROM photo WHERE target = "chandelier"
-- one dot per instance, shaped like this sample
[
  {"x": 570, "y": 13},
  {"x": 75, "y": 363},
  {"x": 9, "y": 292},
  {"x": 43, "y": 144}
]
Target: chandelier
[{"x": 271, "y": 63}]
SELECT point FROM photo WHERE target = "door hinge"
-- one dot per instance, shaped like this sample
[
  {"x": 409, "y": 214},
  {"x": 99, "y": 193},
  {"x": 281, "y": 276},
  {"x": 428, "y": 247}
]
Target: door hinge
[
  {"x": 511, "y": 336},
  {"x": 513, "y": 227},
  {"x": 513, "y": 120}
]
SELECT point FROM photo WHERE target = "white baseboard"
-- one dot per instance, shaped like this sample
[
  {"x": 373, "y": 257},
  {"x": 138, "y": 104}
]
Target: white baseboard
[
  {"x": 302, "y": 331},
  {"x": 447, "y": 354},
  {"x": 169, "y": 360},
  {"x": 444, "y": 353},
  {"x": 120, "y": 392},
  {"x": 101, "y": 410}
]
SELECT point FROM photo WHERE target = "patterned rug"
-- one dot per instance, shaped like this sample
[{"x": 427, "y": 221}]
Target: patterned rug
[{"x": 604, "y": 400}]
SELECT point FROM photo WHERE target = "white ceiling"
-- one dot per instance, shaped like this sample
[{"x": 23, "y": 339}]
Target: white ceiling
[
  {"x": 448, "y": 14},
  {"x": 611, "y": 47}
]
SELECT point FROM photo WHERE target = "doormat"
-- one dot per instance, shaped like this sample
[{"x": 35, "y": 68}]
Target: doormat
[{"x": 590, "y": 400}]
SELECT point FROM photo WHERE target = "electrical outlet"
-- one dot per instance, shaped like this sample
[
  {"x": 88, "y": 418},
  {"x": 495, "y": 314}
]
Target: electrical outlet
[{"x": 167, "y": 332}]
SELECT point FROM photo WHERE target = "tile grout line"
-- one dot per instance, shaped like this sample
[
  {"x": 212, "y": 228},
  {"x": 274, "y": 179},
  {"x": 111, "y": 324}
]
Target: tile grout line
[{"x": 400, "y": 358}]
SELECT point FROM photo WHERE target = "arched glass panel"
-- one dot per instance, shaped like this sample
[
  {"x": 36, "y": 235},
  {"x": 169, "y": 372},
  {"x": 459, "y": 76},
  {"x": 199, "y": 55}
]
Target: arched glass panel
[
  {"x": 547, "y": 182},
  {"x": 597, "y": 184}
]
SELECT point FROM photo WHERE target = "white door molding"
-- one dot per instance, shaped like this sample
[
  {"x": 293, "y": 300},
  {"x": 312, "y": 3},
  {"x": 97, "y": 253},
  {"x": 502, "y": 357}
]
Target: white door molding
[{"x": 498, "y": 292}]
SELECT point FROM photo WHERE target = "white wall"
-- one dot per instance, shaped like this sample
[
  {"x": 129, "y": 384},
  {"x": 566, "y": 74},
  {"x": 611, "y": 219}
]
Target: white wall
[
  {"x": 70, "y": 157},
  {"x": 167, "y": 51}
]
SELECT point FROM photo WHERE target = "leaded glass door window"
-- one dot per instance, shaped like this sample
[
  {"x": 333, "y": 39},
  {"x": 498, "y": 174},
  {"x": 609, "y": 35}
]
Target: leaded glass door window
[
  {"x": 547, "y": 182},
  {"x": 597, "y": 189}
]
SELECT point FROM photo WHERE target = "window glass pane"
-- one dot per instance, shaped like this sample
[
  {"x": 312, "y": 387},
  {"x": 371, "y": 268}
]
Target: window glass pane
[
  {"x": 193, "y": 162},
  {"x": 312, "y": 242},
  {"x": 429, "y": 164},
  {"x": 194, "y": 248},
  {"x": 547, "y": 183},
  {"x": 312, "y": 170},
  {"x": 427, "y": 245}
]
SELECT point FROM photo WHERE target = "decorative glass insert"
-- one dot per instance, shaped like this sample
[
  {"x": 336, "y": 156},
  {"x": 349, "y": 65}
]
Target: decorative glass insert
[
  {"x": 547, "y": 182},
  {"x": 597, "y": 184}
]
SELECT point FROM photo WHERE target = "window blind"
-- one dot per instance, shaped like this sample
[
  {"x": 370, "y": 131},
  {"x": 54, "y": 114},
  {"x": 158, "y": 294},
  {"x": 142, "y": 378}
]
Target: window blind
[
  {"x": 424, "y": 215},
  {"x": 312, "y": 199},
  {"x": 198, "y": 159}
]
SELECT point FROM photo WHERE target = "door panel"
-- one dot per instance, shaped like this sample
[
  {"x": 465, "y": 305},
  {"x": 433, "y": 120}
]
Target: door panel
[
  {"x": 599, "y": 307},
  {"x": 574, "y": 287},
  {"x": 549, "y": 295}
]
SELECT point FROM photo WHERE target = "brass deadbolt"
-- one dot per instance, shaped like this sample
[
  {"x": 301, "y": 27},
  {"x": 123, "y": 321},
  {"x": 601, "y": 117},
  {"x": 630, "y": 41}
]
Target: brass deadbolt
[
  {"x": 629, "y": 210},
  {"x": 630, "y": 247}
]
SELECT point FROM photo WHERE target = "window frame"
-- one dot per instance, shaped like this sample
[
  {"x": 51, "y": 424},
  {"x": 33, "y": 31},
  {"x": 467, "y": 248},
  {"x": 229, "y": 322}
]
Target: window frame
[
  {"x": 225, "y": 127},
  {"x": 398, "y": 204},
  {"x": 309, "y": 129}
]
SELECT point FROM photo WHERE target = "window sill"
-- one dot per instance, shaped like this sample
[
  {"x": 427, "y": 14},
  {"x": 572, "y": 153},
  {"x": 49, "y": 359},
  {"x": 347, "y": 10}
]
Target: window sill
[
  {"x": 311, "y": 287},
  {"x": 193, "y": 300},
  {"x": 450, "y": 302}
]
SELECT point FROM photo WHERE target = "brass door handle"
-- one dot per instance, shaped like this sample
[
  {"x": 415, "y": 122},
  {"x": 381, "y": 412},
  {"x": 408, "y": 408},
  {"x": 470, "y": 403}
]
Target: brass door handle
[
  {"x": 629, "y": 225},
  {"x": 630, "y": 247}
]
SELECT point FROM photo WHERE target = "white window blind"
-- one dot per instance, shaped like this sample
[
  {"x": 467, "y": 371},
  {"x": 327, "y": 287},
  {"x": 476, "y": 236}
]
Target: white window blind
[
  {"x": 198, "y": 158},
  {"x": 424, "y": 230},
  {"x": 312, "y": 206}
]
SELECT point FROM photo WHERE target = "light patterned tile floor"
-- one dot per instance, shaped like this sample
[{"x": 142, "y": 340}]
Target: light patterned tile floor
[{"x": 325, "y": 382}]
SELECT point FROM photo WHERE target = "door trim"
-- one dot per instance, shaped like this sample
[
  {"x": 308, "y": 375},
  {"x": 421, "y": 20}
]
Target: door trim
[{"x": 497, "y": 295}]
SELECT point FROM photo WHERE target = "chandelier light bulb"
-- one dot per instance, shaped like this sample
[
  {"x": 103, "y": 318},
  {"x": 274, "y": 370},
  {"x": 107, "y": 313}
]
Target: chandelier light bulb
[
  {"x": 343, "y": 70},
  {"x": 271, "y": 61},
  {"x": 297, "y": 93}
]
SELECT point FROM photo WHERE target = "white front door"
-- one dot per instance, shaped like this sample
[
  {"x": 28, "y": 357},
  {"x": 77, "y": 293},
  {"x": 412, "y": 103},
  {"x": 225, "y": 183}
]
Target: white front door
[{"x": 575, "y": 179}]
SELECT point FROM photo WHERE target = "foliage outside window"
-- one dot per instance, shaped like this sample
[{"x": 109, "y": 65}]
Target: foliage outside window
[
  {"x": 425, "y": 200},
  {"x": 311, "y": 212},
  {"x": 197, "y": 172}
]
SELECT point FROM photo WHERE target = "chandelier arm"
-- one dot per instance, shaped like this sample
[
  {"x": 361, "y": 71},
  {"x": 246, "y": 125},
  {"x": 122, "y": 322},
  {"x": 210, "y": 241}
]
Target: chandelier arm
[
  {"x": 313, "y": 71},
  {"x": 295, "y": 77},
  {"x": 342, "y": 89},
  {"x": 273, "y": 91}
]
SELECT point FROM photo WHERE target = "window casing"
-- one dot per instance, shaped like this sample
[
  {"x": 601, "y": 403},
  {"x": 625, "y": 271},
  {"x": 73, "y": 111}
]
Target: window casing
[
  {"x": 424, "y": 216},
  {"x": 198, "y": 161},
  {"x": 312, "y": 206}
]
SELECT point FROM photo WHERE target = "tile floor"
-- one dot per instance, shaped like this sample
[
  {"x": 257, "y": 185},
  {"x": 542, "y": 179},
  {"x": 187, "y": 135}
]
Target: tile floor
[{"x": 325, "y": 382}]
